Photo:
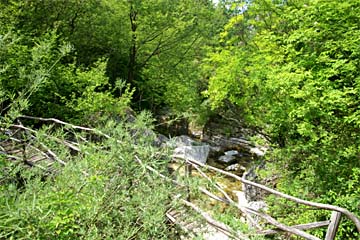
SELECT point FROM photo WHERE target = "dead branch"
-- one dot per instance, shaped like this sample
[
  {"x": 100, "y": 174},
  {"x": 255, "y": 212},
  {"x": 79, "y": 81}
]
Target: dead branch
[{"x": 86, "y": 129}]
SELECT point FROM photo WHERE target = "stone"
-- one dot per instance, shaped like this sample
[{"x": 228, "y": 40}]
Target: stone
[
  {"x": 229, "y": 156},
  {"x": 188, "y": 149},
  {"x": 258, "y": 205},
  {"x": 215, "y": 151},
  {"x": 160, "y": 140},
  {"x": 257, "y": 151},
  {"x": 231, "y": 153},
  {"x": 235, "y": 167},
  {"x": 253, "y": 193},
  {"x": 183, "y": 140},
  {"x": 242, "y": 201},
  {"x": 227, "y": 159},
  {"x": 194, "y": 153},
  {"x": 254, "y": 205}
]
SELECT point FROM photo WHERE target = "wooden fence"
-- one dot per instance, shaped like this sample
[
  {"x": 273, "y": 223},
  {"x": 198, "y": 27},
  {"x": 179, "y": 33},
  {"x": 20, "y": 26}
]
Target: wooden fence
[
  {"x": 36, "y": 154},
  {"x": 332, "y": 224}
]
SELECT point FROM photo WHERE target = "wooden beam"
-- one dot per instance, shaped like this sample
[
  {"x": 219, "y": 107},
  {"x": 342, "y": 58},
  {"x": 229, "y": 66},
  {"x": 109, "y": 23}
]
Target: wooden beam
[
  {"x": 333, "y": 226},
  {"x": 281, "y": 226},
  {"x": 300, "y": 227}
]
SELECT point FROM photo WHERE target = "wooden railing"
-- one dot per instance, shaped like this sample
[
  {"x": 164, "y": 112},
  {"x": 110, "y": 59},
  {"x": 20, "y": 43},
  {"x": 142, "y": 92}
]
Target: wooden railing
[
  {"x": 32, "y": 155},
  {"x": 332, "y": 224}
]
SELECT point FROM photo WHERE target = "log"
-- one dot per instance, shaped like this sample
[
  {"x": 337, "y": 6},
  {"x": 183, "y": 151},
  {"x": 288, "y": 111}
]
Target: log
[
  {"x": 333, "y": 226},
  {"x": 300, "y": 227}
]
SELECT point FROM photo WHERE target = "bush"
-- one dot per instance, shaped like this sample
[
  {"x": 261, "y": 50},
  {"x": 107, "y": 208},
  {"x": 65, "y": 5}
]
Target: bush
[{"x": 102, "y": 193}]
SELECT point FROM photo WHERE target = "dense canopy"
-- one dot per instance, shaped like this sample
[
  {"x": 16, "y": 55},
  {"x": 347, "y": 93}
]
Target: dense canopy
[{"x": 289, "y": 69}]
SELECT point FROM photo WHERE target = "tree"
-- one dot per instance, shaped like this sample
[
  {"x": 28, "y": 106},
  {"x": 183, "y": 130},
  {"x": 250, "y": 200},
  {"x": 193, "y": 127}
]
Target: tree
[
  {"x": 156, "y": 46},
  {"x": 295, "y": 75}
]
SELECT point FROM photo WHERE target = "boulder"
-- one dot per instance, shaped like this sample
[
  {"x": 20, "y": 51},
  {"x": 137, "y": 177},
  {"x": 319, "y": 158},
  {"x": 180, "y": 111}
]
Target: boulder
[
  {"x": 188, "y": 149},
  {"x": 253, "y": 193},
  {"x": 215, "y": 151},
  {"x": 242, "y": 201},
  {"x": 194, "y": 153},
  {"x": 254, "y": 205}
]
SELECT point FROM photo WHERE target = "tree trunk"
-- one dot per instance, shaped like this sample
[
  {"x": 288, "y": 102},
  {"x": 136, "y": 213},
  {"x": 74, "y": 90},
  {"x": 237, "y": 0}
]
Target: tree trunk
[{"x": 133, "y": 49}]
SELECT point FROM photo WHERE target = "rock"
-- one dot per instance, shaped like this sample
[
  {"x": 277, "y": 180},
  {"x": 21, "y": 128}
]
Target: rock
[
  {"x": 258, "y": 205},
  {"x": 237, "y": 145},
  {"x": 215, "y": 151},
  {"x": 257, "y": 151},
  {"x": 235, "y": 167},
  {"x": 255, "y": 205},
  {"x": 188, "y": 149},
  {"x": 194, "y": 153},
  {"x": 242, "y": 201},
  {"x": 231, "y": 153},
  {"x": 227, "y": 159},
  {"x": 161, "y": 140},
  {"x": 183, "y": 140},
  {"x": 253, "y": 193}
]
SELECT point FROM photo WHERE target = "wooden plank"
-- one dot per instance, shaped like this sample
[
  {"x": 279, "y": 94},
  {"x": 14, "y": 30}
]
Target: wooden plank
[
  {"x": 300, "y": 227},
  {"x": 333, "y": 226}
]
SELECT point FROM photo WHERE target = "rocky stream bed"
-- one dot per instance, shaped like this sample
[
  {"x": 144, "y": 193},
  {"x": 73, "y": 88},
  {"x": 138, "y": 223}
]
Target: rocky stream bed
[{"x": 232, "y": 153}]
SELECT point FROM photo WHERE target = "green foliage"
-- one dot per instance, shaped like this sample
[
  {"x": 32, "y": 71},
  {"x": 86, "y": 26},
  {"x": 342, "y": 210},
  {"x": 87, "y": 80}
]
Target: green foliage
[
  {"x": 25, "y": 70},
  {"x": 94, "y": 101},
  {"x": 158, "y": 52},
  {"x": 170, "y": 40},
  {"x": 36, "y": 81},
  {"x": 288, "y": 67},
  {"x": 100, "y": 194},
  {"x": 292, "y": 69}
]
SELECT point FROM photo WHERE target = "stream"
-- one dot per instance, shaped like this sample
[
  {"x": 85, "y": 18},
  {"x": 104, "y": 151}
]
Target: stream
[{"x": 234, "y": 155}]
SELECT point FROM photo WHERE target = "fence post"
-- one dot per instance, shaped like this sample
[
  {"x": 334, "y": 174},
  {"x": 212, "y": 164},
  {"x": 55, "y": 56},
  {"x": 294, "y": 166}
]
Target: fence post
[
  {"x": 188, "y": 173},
  {"x": 333, "y": 226}
]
